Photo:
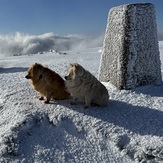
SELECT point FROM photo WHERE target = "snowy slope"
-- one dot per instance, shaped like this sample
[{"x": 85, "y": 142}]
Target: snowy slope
[{"x": 128, "y": 130}]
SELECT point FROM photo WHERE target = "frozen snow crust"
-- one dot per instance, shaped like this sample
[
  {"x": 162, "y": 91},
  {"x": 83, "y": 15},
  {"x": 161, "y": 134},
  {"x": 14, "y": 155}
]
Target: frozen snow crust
[
  {"x": 130, "y": 55},
  {"x": 128, "y": 130}
]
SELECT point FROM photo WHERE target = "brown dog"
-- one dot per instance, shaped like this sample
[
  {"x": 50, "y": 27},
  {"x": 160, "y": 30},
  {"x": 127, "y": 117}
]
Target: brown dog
[{"x": 47, "y": 82}]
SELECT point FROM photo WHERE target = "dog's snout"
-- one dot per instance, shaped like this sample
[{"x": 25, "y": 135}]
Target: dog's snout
[
  {"x": 66, "y": 77},
  {"x": 27, "y": 77}
]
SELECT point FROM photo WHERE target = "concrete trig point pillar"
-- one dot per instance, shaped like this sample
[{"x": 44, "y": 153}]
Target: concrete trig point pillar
[{"x": 130, "y": 56}]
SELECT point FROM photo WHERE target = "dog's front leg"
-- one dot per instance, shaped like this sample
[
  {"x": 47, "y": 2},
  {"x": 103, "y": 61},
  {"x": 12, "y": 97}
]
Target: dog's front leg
[
  {"x": 48, "y": 97},
  {"x": 73, "y": 100},
  {"x": 87, "y": 102}
]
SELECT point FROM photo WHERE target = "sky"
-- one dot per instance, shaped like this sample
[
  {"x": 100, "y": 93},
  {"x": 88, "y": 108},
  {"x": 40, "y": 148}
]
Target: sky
[{"x": 63, "y": 17}]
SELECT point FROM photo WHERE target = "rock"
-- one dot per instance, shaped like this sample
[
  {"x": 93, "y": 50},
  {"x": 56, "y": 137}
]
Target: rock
[{"x": 130, "y": 56}]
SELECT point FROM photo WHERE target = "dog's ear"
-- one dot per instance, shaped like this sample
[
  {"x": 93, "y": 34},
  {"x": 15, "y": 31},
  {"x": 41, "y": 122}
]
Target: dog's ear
[
  {"x": 71, "y": 64},
  {"x": 76, "y": 65},
  {"x": 36, "y": 67}
]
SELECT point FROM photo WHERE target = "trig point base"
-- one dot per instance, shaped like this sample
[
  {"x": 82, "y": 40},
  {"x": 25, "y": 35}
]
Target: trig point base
[{"x": 130, "y": 56}]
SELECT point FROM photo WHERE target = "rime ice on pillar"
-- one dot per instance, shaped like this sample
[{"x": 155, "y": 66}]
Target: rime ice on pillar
[{"x": 130, "y": 56}]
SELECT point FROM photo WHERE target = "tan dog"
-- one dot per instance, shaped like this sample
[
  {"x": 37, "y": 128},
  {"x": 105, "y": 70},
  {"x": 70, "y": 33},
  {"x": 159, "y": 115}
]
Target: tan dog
[
  {"x": 47, "y": 82},
  {"x": 82, "y": 84}
]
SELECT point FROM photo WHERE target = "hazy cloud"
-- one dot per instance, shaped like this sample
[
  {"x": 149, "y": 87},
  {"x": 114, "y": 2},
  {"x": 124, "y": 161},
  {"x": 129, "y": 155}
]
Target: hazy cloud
[{"x": 20, "y": 43}]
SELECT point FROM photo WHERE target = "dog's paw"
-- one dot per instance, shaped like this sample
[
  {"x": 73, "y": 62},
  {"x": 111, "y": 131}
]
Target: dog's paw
[
  {"x": 86, "y": 107},
  {"x": 46, "y": 102},
  {"x": 41, "y": 98},
  {"x": 72, "y": 103}
]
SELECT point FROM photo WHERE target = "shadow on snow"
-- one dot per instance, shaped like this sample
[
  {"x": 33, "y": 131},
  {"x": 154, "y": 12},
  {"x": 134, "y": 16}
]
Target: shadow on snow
[
  {"x": 12, "y": 70},
  {"x": 137, "y": 119}
]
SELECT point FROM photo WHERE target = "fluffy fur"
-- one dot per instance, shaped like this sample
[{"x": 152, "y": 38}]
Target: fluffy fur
[
  {"x": 81, "y": 84},
  {"x": 47, "y": 82}
]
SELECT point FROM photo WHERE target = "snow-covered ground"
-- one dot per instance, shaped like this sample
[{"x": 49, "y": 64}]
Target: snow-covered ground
[{"x": 129, "y": 130}]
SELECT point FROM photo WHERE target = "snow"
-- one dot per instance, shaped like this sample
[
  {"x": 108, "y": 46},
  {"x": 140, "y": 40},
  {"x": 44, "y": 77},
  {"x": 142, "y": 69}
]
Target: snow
[{"x": 128, "y": 130}]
